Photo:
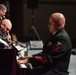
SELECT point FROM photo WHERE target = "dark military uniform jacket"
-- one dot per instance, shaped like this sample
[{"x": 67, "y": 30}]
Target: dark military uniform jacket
[{"x": 56, "y": 53}]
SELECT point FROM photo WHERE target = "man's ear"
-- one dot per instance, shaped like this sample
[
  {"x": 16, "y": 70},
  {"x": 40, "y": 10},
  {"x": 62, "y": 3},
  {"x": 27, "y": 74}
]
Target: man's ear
[{"x": 60, "y": 24}]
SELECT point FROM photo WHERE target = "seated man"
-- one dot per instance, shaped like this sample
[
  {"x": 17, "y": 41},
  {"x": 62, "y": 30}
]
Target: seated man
[
  {"x": 55, "y": 57},
  {"x": 5, "y": 37}
]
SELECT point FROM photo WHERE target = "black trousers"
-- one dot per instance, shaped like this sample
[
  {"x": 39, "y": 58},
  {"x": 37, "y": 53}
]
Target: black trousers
[{"x": 44, "y": 71}]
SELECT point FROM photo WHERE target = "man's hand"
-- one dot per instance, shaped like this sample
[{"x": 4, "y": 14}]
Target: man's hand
[{"x": 23, "y": 60}]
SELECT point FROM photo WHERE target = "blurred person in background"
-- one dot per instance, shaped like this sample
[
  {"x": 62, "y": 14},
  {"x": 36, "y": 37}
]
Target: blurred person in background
[
  {"x": 3, "y": 9},
  {"x": 5, "y": 28},
  {"x": 55, "y": 57}
]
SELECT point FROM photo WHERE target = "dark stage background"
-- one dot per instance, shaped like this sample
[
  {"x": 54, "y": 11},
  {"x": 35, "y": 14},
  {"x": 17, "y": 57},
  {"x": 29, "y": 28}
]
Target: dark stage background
[{"x": 30, "y": 17}]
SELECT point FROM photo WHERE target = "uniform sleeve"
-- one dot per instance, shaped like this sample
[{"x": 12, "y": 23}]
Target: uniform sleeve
[
  {"x": 37, "y": 60},
  {"x": 40, "y": 57}
]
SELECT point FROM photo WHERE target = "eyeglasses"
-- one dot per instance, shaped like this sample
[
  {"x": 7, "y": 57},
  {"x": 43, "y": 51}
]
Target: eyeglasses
[{"x": 6, "y": 27}]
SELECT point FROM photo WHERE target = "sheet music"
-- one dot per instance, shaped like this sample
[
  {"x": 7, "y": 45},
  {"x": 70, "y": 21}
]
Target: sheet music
[
  {"x": 36, "y": 44},
  {"x": 18, "y": 47},
  {"x": 3, "y": 42}
]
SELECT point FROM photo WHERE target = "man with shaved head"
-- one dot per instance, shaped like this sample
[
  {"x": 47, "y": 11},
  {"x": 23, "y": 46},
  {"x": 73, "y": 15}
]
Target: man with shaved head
[
  {"x": 5, "y": 28},
  {"x": 59, "y": 22},
  {"x": 55, "y": 57}
]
